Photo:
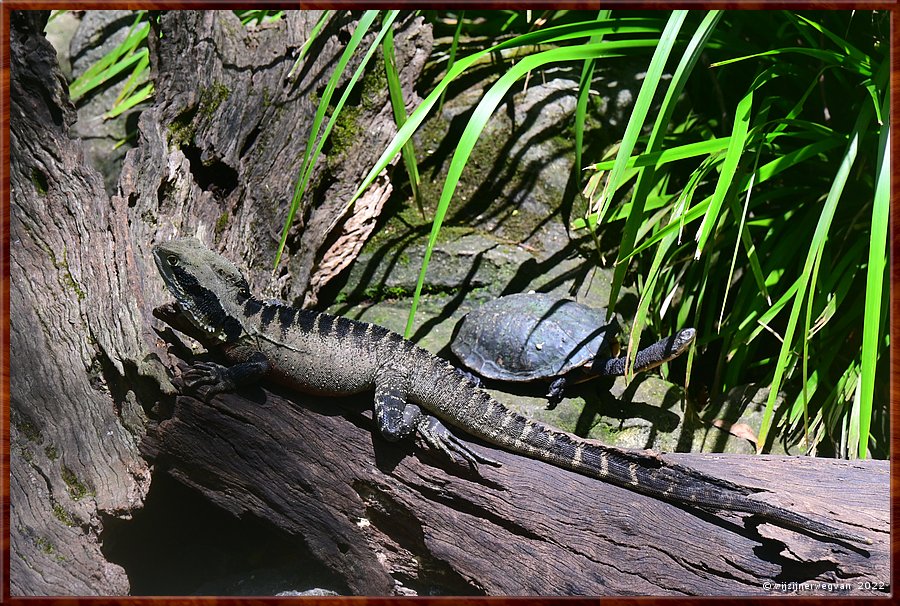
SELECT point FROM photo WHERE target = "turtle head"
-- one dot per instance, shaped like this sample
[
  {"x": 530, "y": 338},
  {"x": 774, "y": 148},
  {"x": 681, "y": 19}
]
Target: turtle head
[
  {"x": 680, "y": 341},
  {"x": 650, "y": 357}
]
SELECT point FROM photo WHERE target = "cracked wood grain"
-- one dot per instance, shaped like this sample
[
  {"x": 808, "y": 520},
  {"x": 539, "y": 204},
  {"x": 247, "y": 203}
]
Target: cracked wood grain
[{"x": 71, "y": 458}]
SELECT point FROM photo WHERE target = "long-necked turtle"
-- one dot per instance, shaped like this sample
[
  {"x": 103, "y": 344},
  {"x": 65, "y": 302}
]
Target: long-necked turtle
[{"x": 536, "y": 336}]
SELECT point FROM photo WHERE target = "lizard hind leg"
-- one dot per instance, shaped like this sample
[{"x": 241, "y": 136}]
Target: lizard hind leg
[
  {"x": 396, "y": 419},
  {"x": 391, "y": 416}
]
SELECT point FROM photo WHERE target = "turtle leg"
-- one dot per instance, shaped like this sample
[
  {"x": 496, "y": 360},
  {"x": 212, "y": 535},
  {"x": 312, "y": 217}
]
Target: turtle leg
[
  {"x": 555, "y": 395},
  {"x": 475, "y": 379}
]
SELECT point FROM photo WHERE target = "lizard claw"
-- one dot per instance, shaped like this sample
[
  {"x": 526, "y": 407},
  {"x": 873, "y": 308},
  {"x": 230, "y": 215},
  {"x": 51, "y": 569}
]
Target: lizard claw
[
  {"x": 207, "y": 374},
  {"x": 439, "y": 437},
  {"x": 166, "y": 311}
]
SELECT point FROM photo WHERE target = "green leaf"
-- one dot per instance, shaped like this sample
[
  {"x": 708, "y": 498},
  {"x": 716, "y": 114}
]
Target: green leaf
[
  {"x": 454, "y": 44},
  {"x": 641, "y": 107},
  {"x": 311, "y": 155},
  {"x": 552, "y": 34},
  {"x": 845, "y": 46},
  {"x": 313, "y": 34},
  {"x": 829, "y": 57},
  {"x": 584, "y": 90},
  {"x": 114, "y": 62},
  {"x": 876, "y": 277},
  {"x": 646, "y": 176},
  {"x": 479, "y": 118},
  {"x": 395, "y": 90},
  {"x": 142, "y": 95},
  {"x": 258, "y": 17},
  {"x": 745, "y": 240},
  {"x": 729, "y": 167},
  {"x": 671, "y": 154}
]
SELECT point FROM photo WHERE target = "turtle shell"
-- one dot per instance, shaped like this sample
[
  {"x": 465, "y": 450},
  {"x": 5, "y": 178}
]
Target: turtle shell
[{"x": 533, "y": 336}]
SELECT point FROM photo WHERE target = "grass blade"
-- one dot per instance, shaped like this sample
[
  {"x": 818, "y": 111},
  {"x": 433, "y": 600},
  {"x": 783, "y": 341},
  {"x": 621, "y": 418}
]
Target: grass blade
[
  {"x": 313, "y": 34},
  {"x": 550, "y": 34},
  {"x": 845, "y": 46},
  {"x": 395, "y": 91},
  {"x": 479, "y": 118},
  {"x": 729, "y": 167},
  {"x": 311, "y": 154},
  {"x": 132, "y": 81},
  {"x": 142, "y": 95},
  {"x": 646, "y": 177},
  {"x": 641, "y": 107},
  {"x": 875, "y": 280},
  {"x": 584, "y": 90},
  {"x": 112, "y": 63},
  {"x": 454, "y": 44},
  {"x": 807, "y": 278},
  {"x": 670, "y": 154},
  {"x": 828, "y": 57}
]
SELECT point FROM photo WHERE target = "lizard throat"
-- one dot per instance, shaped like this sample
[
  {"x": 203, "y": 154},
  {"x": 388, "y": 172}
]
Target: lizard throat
[{"x": 203, "y": 308}]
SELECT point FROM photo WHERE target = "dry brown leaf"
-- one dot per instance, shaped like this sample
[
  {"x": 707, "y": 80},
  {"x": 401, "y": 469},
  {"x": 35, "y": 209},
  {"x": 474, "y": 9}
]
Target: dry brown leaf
[
  {"x": 355, "y": 230},
  {"x": 740, "y": 430}
]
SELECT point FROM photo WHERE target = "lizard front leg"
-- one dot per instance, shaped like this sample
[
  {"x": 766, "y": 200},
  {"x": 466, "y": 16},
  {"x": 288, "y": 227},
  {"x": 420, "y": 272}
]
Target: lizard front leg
[
  {"x": 220, "y": 378},
  {"x": 216, "y": 377}
]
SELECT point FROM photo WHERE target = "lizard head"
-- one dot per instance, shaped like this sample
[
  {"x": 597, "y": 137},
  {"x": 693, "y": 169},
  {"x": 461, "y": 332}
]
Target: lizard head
[{"x": 208, "y": 288}]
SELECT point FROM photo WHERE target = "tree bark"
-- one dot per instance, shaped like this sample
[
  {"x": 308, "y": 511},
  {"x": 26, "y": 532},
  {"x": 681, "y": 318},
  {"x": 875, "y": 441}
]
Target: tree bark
[
  {"x": 219, "y": 152},
  {"x": 393, "y": 519},
  {"x": 73, "y": 435},
  {"x": 222, "y": 147}
]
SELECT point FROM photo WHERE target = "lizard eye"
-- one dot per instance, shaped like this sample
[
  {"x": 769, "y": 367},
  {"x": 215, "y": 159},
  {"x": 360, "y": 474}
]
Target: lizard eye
[{"x": 172, "y": 260}]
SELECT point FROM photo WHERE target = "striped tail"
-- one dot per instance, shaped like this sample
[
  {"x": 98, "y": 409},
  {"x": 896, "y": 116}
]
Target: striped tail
[{"x": 485, "y": 418}]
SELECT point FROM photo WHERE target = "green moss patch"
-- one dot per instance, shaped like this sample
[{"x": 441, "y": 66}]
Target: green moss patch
[
  {"x": 77, "y": 489},
  {"x": 40, "y": 182},
  {"x": 60, "y": 513}
]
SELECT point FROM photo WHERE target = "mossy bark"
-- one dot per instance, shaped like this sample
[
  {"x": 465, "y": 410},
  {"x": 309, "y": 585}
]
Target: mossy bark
[{"x": 71, "y": 304}]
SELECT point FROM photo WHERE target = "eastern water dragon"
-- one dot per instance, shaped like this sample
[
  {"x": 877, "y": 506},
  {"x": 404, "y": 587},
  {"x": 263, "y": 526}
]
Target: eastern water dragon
[{"x": 415, "y": 391}]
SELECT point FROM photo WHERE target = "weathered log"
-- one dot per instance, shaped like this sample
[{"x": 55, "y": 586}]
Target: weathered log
[{"x": 393, "y": 519}]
